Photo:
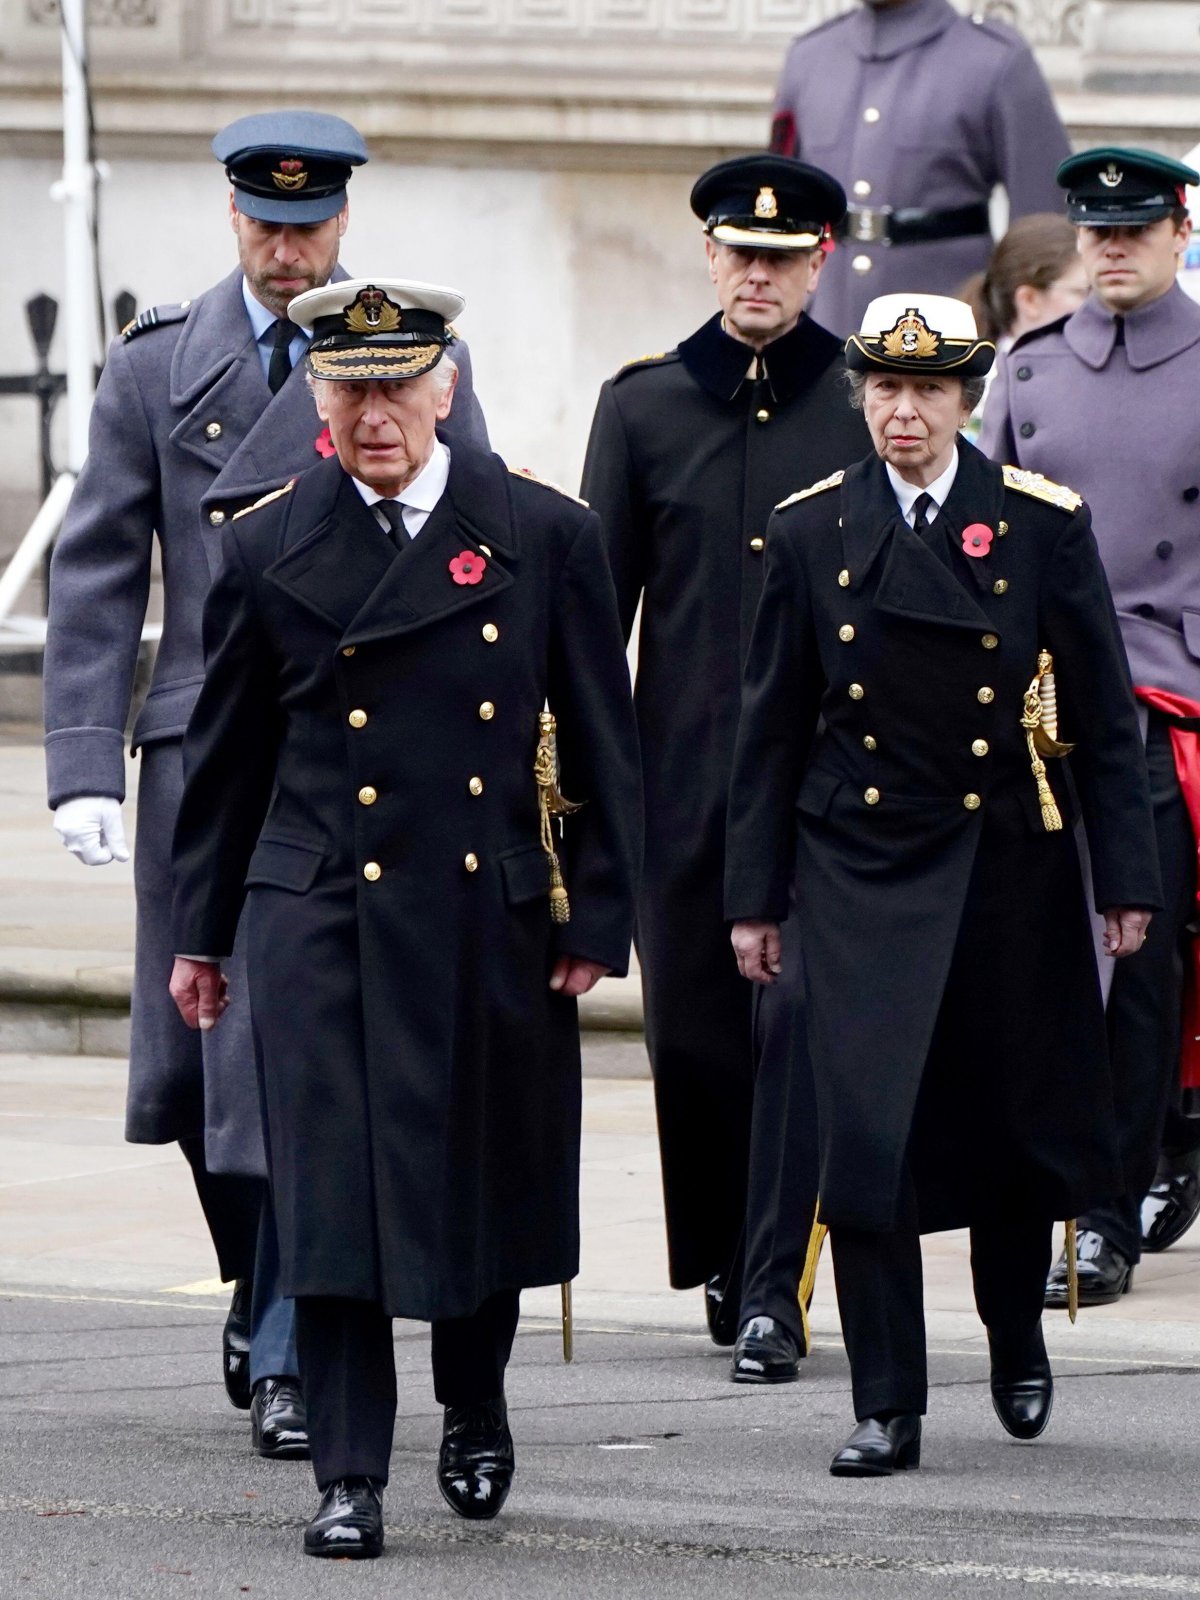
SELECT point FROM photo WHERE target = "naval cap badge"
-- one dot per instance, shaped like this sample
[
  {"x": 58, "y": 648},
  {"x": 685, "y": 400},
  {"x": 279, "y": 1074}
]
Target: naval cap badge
[
  {"x": 372, "y": 312},
  {"x": 911, "y": 336}
]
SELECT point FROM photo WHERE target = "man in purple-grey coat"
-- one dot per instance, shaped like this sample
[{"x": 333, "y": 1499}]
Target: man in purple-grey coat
[
  {"x": 1105, "y": 400},
  {"x": 918, "y": 112}
]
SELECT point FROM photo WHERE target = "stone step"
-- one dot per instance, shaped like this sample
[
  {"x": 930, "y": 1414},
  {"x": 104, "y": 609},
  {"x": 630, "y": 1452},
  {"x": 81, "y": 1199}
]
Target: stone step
[{"x": 76, "y": 1002}]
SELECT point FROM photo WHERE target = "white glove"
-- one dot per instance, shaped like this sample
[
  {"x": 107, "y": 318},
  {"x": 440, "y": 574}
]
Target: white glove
[{"x": 91, "y": 828}]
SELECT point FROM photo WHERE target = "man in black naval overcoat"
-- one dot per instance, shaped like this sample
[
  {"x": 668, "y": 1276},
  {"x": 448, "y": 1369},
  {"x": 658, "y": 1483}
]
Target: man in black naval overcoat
[
  {"x": 369, "y": 759},
  {"x": 201, "y": 408},
  {"x": 688, "y": 453},
  {"x": 935, "y": 635}
]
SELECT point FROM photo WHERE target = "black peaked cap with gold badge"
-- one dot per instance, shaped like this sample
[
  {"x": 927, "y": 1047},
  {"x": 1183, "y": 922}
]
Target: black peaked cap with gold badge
[
  {"x": 916, "y": 333},
  {"x": 1118, "y": 187},
  {"x": 289, "y": 166},
  {"x": 768, "y": 202},
  {"x": 364, "y": 328}
]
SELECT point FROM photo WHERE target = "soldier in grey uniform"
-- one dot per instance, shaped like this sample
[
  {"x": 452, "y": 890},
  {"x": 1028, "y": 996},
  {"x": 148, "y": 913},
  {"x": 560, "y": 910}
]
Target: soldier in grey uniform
[
  {"x": 919, "y": 112},
  {"x": 201, "y": 408},
  {"x": 1085, "y": 399}
]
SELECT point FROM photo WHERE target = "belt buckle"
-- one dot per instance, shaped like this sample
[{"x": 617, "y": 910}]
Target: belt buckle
[{"x": 868, "y": 224}]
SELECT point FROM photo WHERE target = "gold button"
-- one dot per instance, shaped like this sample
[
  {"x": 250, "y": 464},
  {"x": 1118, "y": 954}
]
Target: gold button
[
  {"x": 985, "y": 696},
  {"x": 372, "y": 872},
  {"x": 763, "y": 415},
  {"x": 357, "y": 719},
  {"x": 476, "y": 786},
  {"x": 757, "y": 544},
  {"x": 487, "y": 711},
  {"x": 348, "y": 649},
  {"x": 972, "y": 802},
  {"x": 1002, "y": 528},
  {"x": 980, "y": 747},
  {"x": 213, "y": 431},
  {"x": 216, "y": 518},
  {"x": 490, "y": 633},
  {"x": 871, "y": 114},
  {"x": 471, "y": 861},
  {"x": 367, "y": 796},
  {"x": 1000, "y": 586},
  {"x": 844, "y": 578},
  {"x": 862, "y": 188},
  {"x": 845, "y": 633},
  {"x": 861, "y": 263},
  {"x": 857, "y": 691},
  {"x": 989, "y": 641},
  {"x": 485, "y": 550},
  {"x": 869, "y": 743},
  {"x": 872, "y": 797}
]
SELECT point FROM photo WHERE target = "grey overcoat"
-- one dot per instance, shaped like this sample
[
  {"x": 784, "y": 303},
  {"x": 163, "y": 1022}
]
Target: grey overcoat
[{"x": 184, "y": 432}]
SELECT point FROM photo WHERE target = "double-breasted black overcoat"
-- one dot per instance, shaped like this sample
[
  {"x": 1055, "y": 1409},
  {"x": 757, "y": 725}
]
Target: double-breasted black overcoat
[
  {"x": 689, "y": 452},
  {"x": 952, "y": 1004},
  {"x": 361, "y": 759}
]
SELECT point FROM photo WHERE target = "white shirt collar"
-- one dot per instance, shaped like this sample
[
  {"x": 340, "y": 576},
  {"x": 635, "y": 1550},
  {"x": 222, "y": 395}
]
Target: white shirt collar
[
  {"x": 419, "y": 497},
  {"x": 908, "y": 493}
]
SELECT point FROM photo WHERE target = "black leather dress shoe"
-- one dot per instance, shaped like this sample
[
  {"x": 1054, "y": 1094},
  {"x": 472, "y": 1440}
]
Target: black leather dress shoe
[
  {"x": 476, "y": 1461},
  {"x": 349, "y": 1521},
  {"x": 235, "y": 1347},
  {"x": 1173, "y": 1202},
  {"x": 278, "y": 1425},
  {"x": 723, "y": 1309},
  {"x": 766, "y": 1352},
  {"x": 1104, "y": 1273},
  {"x": 878, "y": 1448},
  {"x": 1022, "y": 1384}
]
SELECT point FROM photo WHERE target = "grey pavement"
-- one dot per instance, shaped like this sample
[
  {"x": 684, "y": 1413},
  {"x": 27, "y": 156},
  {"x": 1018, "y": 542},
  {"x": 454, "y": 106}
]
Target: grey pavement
[{"x": 641, "y": 1469}]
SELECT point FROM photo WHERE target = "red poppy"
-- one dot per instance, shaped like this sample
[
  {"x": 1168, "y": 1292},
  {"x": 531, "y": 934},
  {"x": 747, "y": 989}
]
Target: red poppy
[
  {"x": 323, "y": 444},
  {"x": 468, "y": 567},
  {"x": 977, "y": 539}
]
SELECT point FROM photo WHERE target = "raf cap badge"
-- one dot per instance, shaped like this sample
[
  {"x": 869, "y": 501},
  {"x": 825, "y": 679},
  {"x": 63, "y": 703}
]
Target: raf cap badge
[
  {"x": 912, "y": 336},
  {"x": 291, "y": 174}
]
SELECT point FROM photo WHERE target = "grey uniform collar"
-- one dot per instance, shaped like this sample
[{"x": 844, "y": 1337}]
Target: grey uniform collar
[
  {"x": 878, "y": 35},
  {"x": 1153, "y": 334}
]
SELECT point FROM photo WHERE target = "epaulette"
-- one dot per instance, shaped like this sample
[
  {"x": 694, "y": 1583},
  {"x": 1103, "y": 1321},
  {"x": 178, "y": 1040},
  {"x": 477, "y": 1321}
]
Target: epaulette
[
  {"x": 644, "y": 361},
  {"x": 154, "y": 317},
  {"x": 524, "y": 472},
  {"x": 275, "y": 494},
  {"x": 1033, "y": 483},
  {"x": 814, "y": 488}
]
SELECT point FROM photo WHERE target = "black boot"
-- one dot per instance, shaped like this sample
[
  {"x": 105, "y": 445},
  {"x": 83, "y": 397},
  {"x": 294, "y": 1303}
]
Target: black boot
[
  {"x": 1022, "y": 1384},
  {"x": 476, "y": 1461},
  {"x": 880, "y": 1446},
  {"x": 235, "y": 1347},
  {"x": 278, "y": 1426},
  {"x": 349, "y": 1521},
  {"x": 766, "y": 1352}
]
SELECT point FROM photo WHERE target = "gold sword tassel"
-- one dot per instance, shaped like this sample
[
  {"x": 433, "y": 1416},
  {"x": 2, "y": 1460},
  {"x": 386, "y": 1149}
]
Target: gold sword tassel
[
  {"x": 808, "y": 1277},
  {"x": 1072, "y": 1270},
  {"x": 568, "y": 1324},
  {"x": 551, "y": 803},
  {"x": 1039, "y": 718}
]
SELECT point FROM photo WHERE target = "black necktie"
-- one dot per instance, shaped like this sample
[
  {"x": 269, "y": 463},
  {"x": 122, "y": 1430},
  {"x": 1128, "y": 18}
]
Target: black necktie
[
  {"x": 393, "y": 514},
  {"x": 922, "y": 506},
  {"x": 1120, "y": 334},
  {"x": 280, "y": 365}
]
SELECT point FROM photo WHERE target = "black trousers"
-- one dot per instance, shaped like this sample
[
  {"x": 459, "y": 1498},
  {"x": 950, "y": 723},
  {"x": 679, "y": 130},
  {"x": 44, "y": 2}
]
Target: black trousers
[
  {"x": 348, "y": 1372},
  {"x": 1144, "y": 1013},
  {"x": 781, "y": 1200},
  {"x": 881, "y": 1300},
  {"x": 232, "y": 1206}
]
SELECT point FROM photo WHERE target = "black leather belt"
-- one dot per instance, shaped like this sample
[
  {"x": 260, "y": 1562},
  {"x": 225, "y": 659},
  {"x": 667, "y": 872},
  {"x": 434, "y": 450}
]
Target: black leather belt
[{"x": 882, "y": 225}]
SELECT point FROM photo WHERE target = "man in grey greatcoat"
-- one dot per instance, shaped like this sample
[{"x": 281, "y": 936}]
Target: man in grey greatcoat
[
  {"x": 201, "y": 408},
  {"x": 918, "y": 112},
  {"x": 1105, "y": 400}
]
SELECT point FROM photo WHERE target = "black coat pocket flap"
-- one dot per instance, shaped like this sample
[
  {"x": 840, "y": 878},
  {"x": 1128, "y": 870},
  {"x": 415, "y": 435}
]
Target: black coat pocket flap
[
  {"x": 526, "y": 873},
  {"x": 285, "y": 864},
  {"x": 817, "y": 789}
]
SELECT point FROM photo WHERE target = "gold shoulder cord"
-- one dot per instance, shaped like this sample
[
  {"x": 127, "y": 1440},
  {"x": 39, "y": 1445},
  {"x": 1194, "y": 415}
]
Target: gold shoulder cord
[
  {"x": 551, "y": 803},
  {"x": 1040, "y": 721}
]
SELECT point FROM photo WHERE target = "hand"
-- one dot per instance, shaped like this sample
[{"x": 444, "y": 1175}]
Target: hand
[
  {"x": 200, "y": 990},
  {"x": 574, "y": 976},
  {"x": 91, "y": 828},
  {"x": 758, "y": 946},
  {"x": 1124, "y": 930}
]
